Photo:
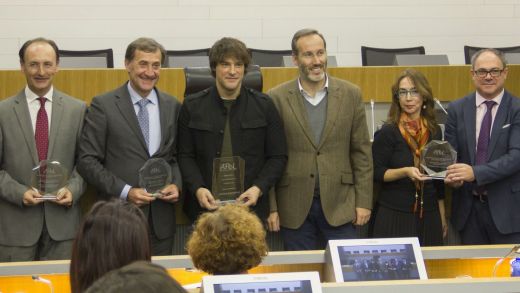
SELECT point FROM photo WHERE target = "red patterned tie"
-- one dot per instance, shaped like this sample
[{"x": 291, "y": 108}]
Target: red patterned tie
[{"x": 41, "y": 133}]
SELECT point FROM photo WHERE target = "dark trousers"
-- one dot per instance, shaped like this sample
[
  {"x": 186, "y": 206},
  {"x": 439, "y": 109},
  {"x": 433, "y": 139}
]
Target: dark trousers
[
  {"x": 159, "y": 246},
  {"x": 480, "y": 228},
  {"x": 315, "y": 231}
]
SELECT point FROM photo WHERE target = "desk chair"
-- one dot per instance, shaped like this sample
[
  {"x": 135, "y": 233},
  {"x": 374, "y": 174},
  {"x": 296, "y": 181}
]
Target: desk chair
[
  {"x": 385, "y": 57},
  {"x": 186, "y": 58},
  {"x": 268, "y": 58},
  {"x": 200, "y": 78},
  {"x": 87, "y": 59},
  {"x": 470, "y": 50}
]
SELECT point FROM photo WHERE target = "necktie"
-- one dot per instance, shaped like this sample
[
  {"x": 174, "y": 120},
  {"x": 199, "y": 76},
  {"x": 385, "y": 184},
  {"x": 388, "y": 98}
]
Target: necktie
[
  {"x": 483, "y": 137},
  {"x": 142, "y": 118},
  {"x": 41, "y": 133}
]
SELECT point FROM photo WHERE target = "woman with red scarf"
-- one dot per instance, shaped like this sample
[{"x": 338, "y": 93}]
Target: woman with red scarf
[{"x": 409, "y": 204}]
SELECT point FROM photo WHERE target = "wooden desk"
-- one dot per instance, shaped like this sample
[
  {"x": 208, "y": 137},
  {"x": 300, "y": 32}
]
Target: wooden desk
[
  {"x": 448, "y": 82},
  {"x": 443, "y": 264}
]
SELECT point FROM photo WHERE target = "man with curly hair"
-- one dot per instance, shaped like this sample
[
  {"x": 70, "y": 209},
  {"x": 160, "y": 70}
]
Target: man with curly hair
[{"x": 230, "y": 240}]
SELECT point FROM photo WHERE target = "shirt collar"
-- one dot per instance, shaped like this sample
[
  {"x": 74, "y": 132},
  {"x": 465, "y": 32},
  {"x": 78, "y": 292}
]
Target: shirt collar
[
  {"x": 31, "y": 96},
  {"x": 325, "y": 86},
  {"x": 152, "y": 96},
  {"x": 480, "y": 99}
]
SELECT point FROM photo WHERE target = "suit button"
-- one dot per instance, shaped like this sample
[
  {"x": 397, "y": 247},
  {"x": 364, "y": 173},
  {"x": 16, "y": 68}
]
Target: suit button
[
  {"x": 318, "y": 153},
  {"x": 218, "y": 153},
  {"x": 221, "y": 131},
  {"x": 312, "y": 175}
]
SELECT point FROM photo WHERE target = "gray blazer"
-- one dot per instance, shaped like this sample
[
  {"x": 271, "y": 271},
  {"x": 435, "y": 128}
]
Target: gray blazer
[
  {"x": 22, "y": 225},
  {"x": 343, "y": 156},
  {"x": 113, "y": 149}
]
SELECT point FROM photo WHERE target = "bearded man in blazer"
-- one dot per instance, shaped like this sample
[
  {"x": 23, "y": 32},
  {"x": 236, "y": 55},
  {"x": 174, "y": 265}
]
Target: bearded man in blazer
[
  {"x": 327, "y": 185},
  {"x": 39, "y": 123},
  {"x": 486, "y": 193},
  {"x": 115, "y": 143}
]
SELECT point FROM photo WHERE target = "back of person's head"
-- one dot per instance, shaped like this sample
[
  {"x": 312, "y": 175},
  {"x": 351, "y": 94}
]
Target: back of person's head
[
  {"x": 140, "y": 276},
  {"x": 230, "y": 240},
  {"x": 228, "y": 48},
  {"x": 112, "y": 235}
]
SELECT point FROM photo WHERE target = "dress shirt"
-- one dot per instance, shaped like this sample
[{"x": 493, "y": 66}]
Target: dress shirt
[
  {"x": 34, "y": 106},
  {"x": 481, "y": 111},
  {"x": 319, "y": 94}
]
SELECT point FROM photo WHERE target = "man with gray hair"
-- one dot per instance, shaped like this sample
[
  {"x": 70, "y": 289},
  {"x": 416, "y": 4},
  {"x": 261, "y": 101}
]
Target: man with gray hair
[
  {"x": 127, "y": 127},
  {"x": 484, "y": 129}
]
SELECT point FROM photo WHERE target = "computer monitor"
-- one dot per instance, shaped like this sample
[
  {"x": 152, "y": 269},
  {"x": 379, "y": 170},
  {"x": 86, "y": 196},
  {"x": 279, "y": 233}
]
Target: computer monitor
[
  {"x": 188, "y": 61},
  {"x": 418, "y": 59},
  {"x": 83, "y": 62},
  {"x": 512, "y": 58},
  {"x": 374, "y": 259},
  {"x": 303, "y": 282}
]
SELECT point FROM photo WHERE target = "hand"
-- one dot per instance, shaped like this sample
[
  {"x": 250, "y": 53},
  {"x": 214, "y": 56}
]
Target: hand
[
  {"x": 250, "y": 196},
  {"x": 31, "y": 197},
  {"x": 170, "y": 193},
  {"x": 139, "y": 196},
  {"x": 273, "y": 222},
  {"x": 206, "y": 199},
  {"x": 444, "y": 227},
  {"x": 415, "y": 174},
  {"x": 64, "y": 197},
  {"x": 362, "y": 216},
  {"x": 459, "y": 172}
]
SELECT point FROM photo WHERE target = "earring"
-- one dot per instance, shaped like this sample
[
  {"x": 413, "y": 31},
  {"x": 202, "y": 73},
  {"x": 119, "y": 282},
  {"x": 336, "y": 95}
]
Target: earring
[{"x": 424, "y": 106}]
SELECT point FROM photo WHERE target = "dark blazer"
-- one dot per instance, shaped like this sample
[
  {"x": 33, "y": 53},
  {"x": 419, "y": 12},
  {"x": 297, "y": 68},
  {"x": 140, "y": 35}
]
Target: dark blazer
[
  {"x": 257, "y": 137},
  {"x": 343, "y": 156},
  {"x": 22, "y": 225},
  {"x": 501, "y": 173},
  {"x": 113, "y": 150}
]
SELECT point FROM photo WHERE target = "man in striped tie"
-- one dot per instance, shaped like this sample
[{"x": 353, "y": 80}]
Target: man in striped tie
[{"x": 39, "y": 123}]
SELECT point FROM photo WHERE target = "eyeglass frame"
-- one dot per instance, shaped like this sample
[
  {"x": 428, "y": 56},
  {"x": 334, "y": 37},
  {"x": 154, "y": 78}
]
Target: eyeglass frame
[
  {"x": 478, "y": 73},
  {"x": 403, "y": 93}
]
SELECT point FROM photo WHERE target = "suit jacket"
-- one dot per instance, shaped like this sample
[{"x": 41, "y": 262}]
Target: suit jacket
[
  {"x": 343, "y": 156},
  {"x": 22, "y": 225},
  {"x": 113, "y": 150},
  {"x": 501, "y": 174}
]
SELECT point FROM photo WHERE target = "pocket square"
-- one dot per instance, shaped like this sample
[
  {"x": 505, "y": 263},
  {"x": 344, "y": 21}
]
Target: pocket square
[{"x": 506, "y": 126}]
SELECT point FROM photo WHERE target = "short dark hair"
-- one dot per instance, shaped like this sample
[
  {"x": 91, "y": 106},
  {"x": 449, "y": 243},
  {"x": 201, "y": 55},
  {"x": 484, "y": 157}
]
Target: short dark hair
[
  {"x": 140, "y": 276},
  {"x": 112, "y": 235},
  {"x": 303, "y": 33},
  {"x": 498, "y": 53},
  {"x": 21, "y": 53},
  {"x": 228, "y": 47},
  {"x": 147, "y": 45}
]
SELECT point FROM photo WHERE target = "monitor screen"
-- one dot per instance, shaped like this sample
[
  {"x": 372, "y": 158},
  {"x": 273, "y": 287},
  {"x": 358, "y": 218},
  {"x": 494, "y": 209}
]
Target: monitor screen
[
  {"x": 304, "y": 282},
  {"x": 374, "y": 259}
]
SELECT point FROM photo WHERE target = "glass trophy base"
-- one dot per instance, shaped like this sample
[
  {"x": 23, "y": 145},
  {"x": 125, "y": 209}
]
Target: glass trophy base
[
  {"x": 225, "y": 201},
  {"x": 48, "y": 197},
  {"x": 433, "y": 177}
]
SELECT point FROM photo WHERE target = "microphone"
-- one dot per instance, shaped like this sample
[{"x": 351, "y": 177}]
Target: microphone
[
  {"x": 440, "y": 105},
  {"x": 514, "y": 250},
  {"x": 373, "y": 119},
  {"x": 37, "y": 278}
]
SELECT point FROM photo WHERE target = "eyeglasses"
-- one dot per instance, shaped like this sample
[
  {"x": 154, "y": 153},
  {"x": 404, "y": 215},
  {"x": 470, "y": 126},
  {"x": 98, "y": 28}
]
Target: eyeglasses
[
  {"x": 482, "y": 73},
  {"x": 404, "y": 93}
]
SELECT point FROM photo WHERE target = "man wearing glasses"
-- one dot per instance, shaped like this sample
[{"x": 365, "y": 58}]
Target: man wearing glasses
[{"x": 484, "y": 129}]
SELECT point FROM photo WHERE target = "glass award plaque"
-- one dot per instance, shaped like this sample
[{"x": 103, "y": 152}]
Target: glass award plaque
[
  {"x": 48, "y": 177},
  {"x": 436, "y": 157},
  {"x": 228, "y": 178},
  {"x": 155, "y": 175}
]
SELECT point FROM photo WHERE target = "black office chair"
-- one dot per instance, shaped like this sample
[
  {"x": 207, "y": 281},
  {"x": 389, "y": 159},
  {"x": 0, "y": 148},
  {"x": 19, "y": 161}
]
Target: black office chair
[
  {"x": 268, "y": 58},
  {"x": 187, "y": 58},
  {"x": 200, "y": 78},
  {"x": 470, "y": 50},
  {"x": 385, "y": 57},
  {"x": 87, "y": 59}
]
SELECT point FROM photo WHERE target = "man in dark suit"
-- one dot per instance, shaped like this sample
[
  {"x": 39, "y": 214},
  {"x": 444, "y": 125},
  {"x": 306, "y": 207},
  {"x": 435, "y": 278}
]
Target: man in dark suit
[
  {"x": 327, "y": 185},
  {"x": 39, "y": 123},
  {"x": 484, "y": 129},
  {"x": 127, "y": 127}
]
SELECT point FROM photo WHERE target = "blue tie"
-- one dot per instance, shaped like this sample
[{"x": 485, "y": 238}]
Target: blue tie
[
  {"x": 483, "y": 137},
  {"x": 142, "y": 117}
]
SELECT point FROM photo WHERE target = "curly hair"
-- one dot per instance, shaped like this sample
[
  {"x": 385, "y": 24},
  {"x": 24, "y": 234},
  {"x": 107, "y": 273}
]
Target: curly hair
[{"x": 230, "y": 240}]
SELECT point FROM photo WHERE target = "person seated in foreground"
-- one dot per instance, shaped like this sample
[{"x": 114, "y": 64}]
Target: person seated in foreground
[
  {"x": 113, "y": 234},
  {"x": 230, "y": 240},
  {"x": 139, "y": 276}
]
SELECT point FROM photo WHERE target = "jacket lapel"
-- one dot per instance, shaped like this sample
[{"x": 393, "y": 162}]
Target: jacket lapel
[
  {"x": 295, "y": 100},
  {"x": 333, "y": 108},
  {"x": 21, "y": 110},
  {"x": 499, "y": 122},
  {"x": 124, "y": 104},
  {"x": 470, "y": 118},
  {"x": 57, "y": 114},
  {"x": 163, "y": 116}
]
